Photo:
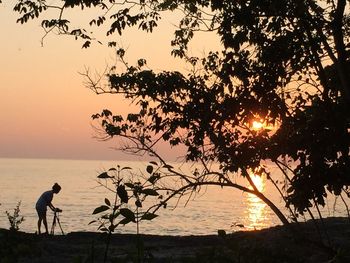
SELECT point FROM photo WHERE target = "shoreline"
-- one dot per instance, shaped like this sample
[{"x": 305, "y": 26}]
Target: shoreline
[{"x": 302, "y": 244}]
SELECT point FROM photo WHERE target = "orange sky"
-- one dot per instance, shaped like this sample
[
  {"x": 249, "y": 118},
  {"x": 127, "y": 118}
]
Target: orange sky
[{"x": 44, "y": 107}]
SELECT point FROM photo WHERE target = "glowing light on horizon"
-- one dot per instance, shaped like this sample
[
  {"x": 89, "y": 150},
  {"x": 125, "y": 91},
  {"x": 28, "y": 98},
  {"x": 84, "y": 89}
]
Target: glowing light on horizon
[
  {"x": 261, "y": 125},
  {"x": 255, "y": 207},
  {"x": 257, "y": 125},
  {"x": 259, "y": 182}
]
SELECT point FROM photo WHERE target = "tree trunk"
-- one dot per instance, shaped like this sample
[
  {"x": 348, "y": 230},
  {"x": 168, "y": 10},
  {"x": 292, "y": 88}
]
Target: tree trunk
[
  {"x": 267, "y": 201},
  {"x": 341, "y": 65}
]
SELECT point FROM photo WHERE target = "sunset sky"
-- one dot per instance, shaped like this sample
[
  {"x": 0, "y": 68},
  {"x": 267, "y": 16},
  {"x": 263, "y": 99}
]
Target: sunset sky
[{"x": 45, "y": 109}]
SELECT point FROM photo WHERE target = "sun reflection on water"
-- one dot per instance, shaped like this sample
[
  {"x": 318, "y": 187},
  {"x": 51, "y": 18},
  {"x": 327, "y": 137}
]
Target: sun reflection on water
[{"x": 256, "y": 209}]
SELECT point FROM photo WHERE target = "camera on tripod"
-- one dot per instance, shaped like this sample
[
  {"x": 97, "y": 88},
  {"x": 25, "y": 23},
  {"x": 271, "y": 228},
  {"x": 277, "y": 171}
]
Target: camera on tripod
[{"x": 56, "y": 219}]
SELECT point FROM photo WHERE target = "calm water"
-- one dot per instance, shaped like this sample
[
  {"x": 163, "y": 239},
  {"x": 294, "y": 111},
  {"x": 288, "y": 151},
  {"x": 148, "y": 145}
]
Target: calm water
[{"x": 214, "y": 208}]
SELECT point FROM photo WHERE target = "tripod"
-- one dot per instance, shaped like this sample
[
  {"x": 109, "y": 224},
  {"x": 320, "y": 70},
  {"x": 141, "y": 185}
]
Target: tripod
[{"x": 56, "y": 219}]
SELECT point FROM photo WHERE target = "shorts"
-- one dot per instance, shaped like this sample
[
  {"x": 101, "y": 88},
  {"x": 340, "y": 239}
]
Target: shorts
[{"x": 41, "y": 211}]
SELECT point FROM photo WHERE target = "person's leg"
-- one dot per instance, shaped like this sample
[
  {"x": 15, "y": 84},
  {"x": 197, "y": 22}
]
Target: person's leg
[
  {"x": 45, "y": 223},
  {"x": 39, "y": 225},
  {"x": 42, "y": 218}
]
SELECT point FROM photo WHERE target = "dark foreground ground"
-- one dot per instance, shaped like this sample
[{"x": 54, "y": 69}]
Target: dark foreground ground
[{"x": 300, "y": 243}]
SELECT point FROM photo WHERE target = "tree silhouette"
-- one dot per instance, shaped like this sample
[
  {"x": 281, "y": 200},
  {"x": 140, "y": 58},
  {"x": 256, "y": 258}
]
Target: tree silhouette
[{"x": 283, "y": 63}]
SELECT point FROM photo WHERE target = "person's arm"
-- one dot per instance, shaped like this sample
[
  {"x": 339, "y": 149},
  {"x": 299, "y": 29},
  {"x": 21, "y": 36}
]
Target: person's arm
[{"x": 52, "y": 207}]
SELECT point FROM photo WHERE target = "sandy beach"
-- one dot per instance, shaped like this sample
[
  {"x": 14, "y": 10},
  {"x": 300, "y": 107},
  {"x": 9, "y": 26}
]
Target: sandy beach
[{"x": 299, "y": 243}]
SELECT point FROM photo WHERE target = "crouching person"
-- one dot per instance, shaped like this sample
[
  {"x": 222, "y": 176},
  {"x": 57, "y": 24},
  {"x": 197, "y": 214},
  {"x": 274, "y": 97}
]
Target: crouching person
[{"x": 44, "y": 201}]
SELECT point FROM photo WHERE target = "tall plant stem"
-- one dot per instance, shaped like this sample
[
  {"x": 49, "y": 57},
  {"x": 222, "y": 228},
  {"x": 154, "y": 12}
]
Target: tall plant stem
[
  {"x": 138, "y": 235},
  {"x": 112, "y": 220},
  {"x": 322, "y": 222}
]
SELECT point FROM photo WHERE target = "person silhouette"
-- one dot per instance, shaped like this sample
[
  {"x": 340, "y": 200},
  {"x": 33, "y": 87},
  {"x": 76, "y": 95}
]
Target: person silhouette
[{"x": 44, "y": 201}]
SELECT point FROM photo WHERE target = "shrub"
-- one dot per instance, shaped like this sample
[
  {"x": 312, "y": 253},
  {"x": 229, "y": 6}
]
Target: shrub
[{"x": 15, "y": 220}]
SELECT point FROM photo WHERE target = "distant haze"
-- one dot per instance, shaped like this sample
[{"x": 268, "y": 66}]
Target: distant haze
[{"x": 45, "y": 109}]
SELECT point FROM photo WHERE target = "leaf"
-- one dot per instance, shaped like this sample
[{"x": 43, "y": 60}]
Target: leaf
[
  {"x": 149, "y": 169},
  {"x": 122, "y": 194},
  {"x": 290, "y": 190},
  {"x": 113, "y": 216},
  {"x": 121, "y": 52},
  {"x": 148, "y": 216},
  {"x": 138, "y": 203},
  {"x": 111, "y": 228},
  {"x": 105, "y": 216},
  {"x": 126, "y": 168},
  {"x": 152, "y": 179},
  {"x": 86, "y": 44},
  {"x": 125, "y": 221},
  {"x": 127, "y": 213},
  {"x": 91, "y": 222},
  {"x": 100, "y": 209},
  {"x": 112, "y": 44},
  {"x": 104, "y": 175},
  {"x": 153, "y": 162},
  {"x": 107, "y": 202},
  {"x": 168, "y": 166},
  {"x": 151, "y": 192},
  {"x": 95, "y": 116},
  {"x": 106, "y": 113},
  {"x": 141, "y": 62},
  {"x": 130, "y": 185}
]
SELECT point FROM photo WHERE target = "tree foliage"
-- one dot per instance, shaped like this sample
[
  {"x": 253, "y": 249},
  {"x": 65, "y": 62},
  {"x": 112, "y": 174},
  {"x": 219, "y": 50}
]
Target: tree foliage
[{"x": 284, "y": 63}]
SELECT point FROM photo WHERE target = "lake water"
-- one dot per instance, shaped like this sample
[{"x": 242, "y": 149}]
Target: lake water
[{"x": 214, "y": 208}]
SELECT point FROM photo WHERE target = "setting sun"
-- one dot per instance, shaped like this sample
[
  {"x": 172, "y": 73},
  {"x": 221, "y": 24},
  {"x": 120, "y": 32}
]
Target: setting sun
[
  {"x": 261, "y": 125},
  {"x": 257, "y": 125}
]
